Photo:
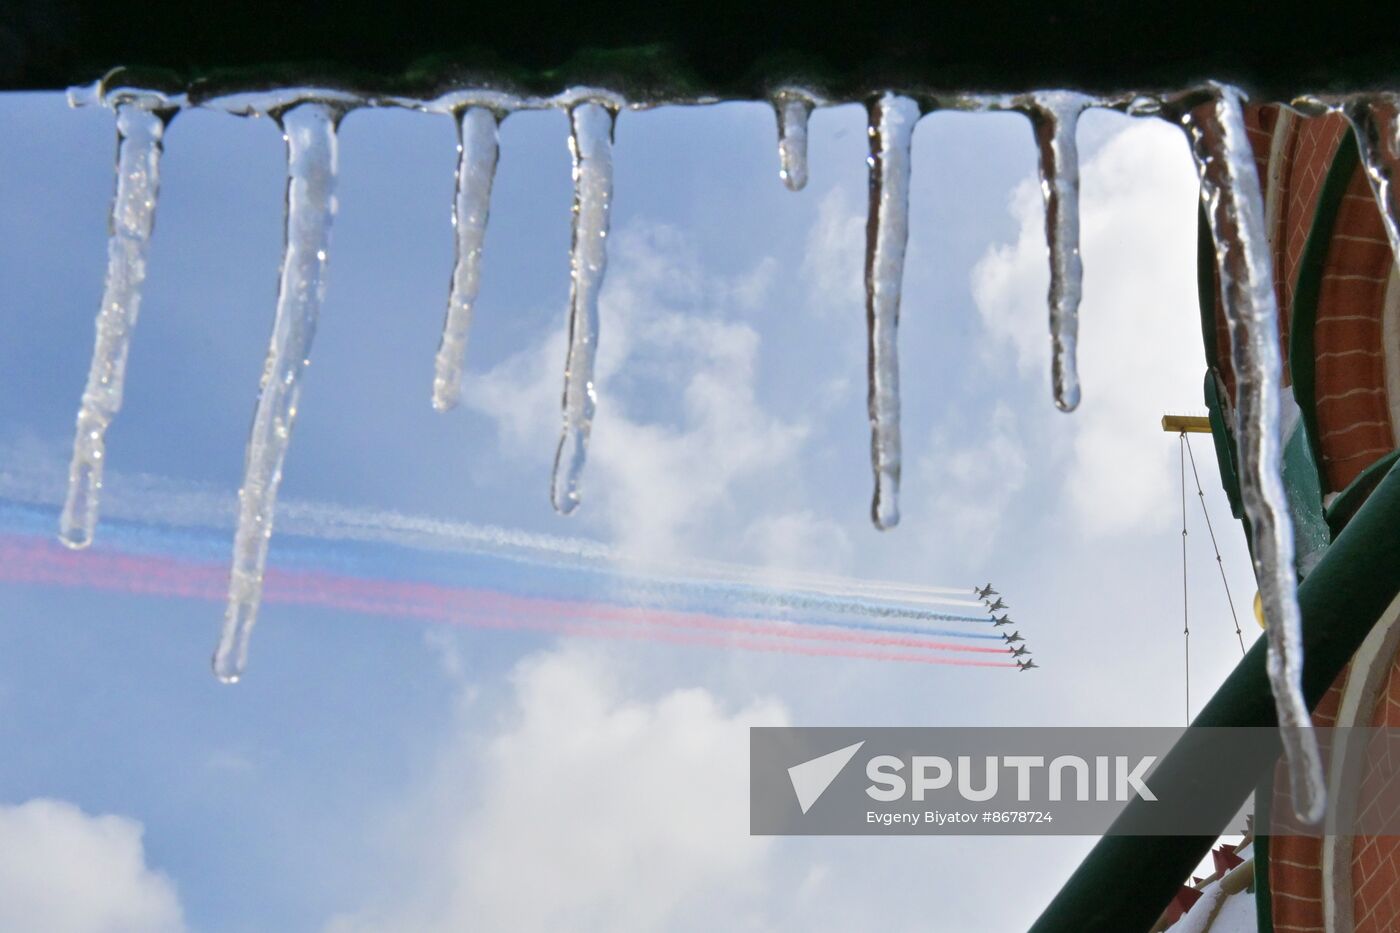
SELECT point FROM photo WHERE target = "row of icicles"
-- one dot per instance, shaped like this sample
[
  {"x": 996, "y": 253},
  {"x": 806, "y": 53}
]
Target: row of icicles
[{"x": 1212, "y": 116}]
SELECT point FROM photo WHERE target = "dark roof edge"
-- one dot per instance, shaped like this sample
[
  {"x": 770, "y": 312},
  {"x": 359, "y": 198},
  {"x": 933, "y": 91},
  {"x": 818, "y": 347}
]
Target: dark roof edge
[{"x": 694, "y": 51}]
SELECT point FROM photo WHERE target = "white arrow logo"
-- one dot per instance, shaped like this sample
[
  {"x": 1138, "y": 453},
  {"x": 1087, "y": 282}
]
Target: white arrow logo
[{"x": 811, "y": 778}]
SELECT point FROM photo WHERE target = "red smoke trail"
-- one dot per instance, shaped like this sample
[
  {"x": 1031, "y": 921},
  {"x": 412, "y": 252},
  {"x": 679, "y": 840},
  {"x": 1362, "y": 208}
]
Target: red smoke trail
[
  {"x": 27, "y": 559},
  {"x": 393, "y": 597}
]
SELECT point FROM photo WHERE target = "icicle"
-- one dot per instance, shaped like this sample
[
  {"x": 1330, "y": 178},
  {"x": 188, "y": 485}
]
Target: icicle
[
  {"x": 477, "y": 147},
  {"x": 590, "y": 141},
  {"x": 1375, "y": 119},
  {"x": 793, "y": 108},
  {"x": 141, "y": 120},
  {"x": 310, "y": 131},
  {"x": 1230, "y": 192},
  {"x": 892, "y": 120},
  {"x": 1054, "y": 117}
]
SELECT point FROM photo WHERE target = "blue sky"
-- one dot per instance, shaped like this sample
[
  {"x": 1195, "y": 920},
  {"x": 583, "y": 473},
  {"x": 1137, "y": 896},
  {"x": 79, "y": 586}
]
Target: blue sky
[{"x": 380, "y": 774}]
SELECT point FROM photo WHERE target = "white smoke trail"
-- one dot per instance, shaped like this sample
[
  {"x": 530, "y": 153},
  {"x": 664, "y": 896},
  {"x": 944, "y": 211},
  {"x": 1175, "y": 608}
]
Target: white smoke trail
[{"x": 178, "y": 504}]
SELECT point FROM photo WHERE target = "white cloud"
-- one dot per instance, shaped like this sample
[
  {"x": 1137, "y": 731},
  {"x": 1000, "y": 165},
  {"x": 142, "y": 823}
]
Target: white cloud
[
  {"x": 1140, "y": 344},
  {"x": 970, "y": 486},
  {"x": 833, "y": 264},
  {"x": 799, "y": 540},
  {"x": 230, "y": 762},
  {"x": 596, "y": 812},
  {"x": 679, "y": 427},
  {"x": 63, "y": 871}
]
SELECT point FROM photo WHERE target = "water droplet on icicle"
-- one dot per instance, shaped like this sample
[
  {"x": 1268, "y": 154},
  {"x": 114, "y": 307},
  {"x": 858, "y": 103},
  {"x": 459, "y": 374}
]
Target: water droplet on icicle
[
  {"x": 892, "y": 120},
  {"x": 477, "y": 147},
  {"x": 1231, "y": 194},
  {"x": 590, "y": 141},
  {"x": 141, "y": 121},
  {"x": 793, "y": 108},
  {"x": 1054, "y": 117},
  {"x": 310, "y": 132},
  {"x": 1375, "y": 119}
]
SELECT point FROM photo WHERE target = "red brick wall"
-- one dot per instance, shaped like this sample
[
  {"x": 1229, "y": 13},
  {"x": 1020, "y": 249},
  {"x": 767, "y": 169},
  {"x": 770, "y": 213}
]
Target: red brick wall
[
  {"x": 1308, "y": 152},
  {"x": 1295, "y": 862},
  {"x": 1305, "y": 154},
  {"x": 1353, "y": 413},
  {"x": 1355, "y": 429},
  {"x": 1375, "y": 860}
]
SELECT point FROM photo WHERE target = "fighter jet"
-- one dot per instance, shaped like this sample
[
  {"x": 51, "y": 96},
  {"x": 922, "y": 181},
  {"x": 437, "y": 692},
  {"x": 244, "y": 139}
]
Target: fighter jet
[
  {"x": 1017, "y": 652},
  {"x": 993, "y": 607},
  {"x": 984, "y": 591},
  {"x": 1012, "y": 638},
  {"x": 1026, "y": 665},
  {"x": 998, "y": 621}
]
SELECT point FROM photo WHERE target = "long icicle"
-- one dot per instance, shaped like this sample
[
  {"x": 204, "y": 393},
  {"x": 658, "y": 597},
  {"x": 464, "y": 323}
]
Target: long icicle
[
  {"x": 310, "y": 132},
  {"x": 1054, "y": 117},
  {"x": 590, "y": 141},
  {"x": 793, "y": 108},
  {"x": 891, "y": 130},
  {"x": 141, "y": 122},
  {"x": 477, "y": 150},
  {"x": 1231, "y": 194},
  {"x": 1375, "y": 120}
]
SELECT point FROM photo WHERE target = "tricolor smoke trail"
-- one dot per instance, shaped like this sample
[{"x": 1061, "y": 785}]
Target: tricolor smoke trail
[
  {"x": 34, "y": 560},
  {"x": 394, "y": 566},
  {"x": 143, "y": 504}
]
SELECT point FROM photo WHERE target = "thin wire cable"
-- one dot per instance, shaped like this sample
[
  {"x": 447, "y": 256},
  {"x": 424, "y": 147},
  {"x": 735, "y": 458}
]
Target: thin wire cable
[
  {"x": 1218, "y": 562},
  {"x": 1185, "y": 602}
]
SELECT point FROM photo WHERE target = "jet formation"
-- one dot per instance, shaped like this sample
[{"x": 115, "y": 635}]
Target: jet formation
[{"x": 993, "y": 602}]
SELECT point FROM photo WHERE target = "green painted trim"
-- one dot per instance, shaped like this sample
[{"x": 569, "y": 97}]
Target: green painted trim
[
  {"x": 1302, "y": 483},
  {"x": 1350, "y": 499},
  {"x": 1221, "y": 434},
  {"x": 1127, "y": 881},
  {"x": 1263, "y": 892},
  {"x": 1302, "y": 353},
  {"x": 1205, "y": 286}
]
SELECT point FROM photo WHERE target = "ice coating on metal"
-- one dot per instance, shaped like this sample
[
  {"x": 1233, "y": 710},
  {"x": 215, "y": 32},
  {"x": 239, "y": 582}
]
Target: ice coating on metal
[
  {"x": 590, "y": 141},
  {"x": 273, "y": 102},
  {"x": 1055, "y": 118},
  {"x": 891, "y": 131},
  {"x": 453, "y": 101},
  {"x": 1230, "y": 192},
  {"x": 309, "y": 128},
  {"x": 141, "y": 122},
  {"x": 477, "y": 150}
]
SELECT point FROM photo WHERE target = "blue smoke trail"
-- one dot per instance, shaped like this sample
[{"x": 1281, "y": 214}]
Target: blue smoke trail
[{"x": 523, "y": 571}]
